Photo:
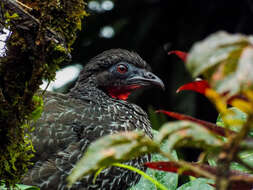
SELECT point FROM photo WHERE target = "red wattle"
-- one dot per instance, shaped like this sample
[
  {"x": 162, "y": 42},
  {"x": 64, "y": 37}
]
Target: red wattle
[
  {"x": 122, "y": 93},
  {"x": 119, "y": 96}
]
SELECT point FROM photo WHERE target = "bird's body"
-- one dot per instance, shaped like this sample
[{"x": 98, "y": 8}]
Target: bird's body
[{"x": 71, "y": 122}]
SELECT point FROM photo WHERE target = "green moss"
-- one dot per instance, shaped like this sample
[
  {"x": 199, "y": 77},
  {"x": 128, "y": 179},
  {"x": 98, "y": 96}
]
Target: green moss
[
  {"x": 38, "y": 109},
  {"x": 10, "y": 17},
  {"x": 14, "y": 162},
  {"x": 32, "y": 55}
]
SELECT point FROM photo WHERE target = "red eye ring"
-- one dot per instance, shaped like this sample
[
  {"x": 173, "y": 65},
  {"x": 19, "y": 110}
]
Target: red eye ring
[{"x": 122, "y": 69}]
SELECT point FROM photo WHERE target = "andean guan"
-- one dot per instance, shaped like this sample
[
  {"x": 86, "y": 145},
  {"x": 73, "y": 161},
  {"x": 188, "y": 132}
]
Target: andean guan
[{"x": 96, "y": 106}]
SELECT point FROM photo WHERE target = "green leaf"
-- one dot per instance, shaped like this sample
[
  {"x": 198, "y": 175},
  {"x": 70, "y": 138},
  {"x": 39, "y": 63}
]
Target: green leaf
[
  {"x": 169, "y": 180},
  {"x": 111, "y": 149},
  {"x": 186, "y": 133},
  {"x": 143, "y": 174},
  {"x": 240, "y": 79},
  {"x": 197, "y": 184},
  {"x": 247, "y": 157},
  {"x": 38, "y": 101},
  {"x": 212, "y": 157},
  {"x": 236, "y": 117},
  {"x": 27, "y": 187}
]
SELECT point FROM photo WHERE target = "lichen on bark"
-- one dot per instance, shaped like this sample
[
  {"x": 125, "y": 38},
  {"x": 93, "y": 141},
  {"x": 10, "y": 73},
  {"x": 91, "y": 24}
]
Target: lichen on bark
[{"x": 42, "y": 32}]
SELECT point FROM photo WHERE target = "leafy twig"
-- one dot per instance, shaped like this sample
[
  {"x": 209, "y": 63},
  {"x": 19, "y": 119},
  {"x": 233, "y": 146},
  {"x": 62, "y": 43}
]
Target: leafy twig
[{"x": 229, "y": 154}]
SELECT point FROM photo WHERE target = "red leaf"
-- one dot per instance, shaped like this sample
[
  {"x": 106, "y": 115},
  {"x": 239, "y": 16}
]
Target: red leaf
[
  {"x": 244, "y": 183},
  {"x": 208, "y": 125},
  {"x": 168, "y": 167},
  {"x": 198, "y": 86},
  {"x": 182, "y": 55}
]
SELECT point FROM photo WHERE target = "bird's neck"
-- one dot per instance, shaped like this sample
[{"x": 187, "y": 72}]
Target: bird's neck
[
  {"x": 89, "y": 88},
  {"x": 86, "y": 89}
]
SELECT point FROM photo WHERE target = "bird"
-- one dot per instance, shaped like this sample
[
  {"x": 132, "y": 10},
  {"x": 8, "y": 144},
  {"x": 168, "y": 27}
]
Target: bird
[{"x": 96, "y": 106}]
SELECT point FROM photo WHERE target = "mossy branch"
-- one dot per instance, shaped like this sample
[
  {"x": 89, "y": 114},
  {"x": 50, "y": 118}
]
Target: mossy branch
[{"x": 41, "y": 36}]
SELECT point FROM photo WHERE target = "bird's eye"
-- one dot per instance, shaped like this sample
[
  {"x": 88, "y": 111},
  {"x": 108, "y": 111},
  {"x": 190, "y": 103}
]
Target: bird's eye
[{"x": 122, "y": 69}]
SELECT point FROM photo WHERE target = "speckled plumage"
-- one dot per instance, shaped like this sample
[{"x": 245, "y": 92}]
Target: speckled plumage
[{"x": 71, "y": 122}]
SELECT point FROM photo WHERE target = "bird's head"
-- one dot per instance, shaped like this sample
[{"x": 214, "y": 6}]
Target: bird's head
[{"x": 118, "y": 72}]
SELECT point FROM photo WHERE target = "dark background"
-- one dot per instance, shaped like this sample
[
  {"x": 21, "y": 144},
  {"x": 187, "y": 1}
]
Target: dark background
[{"x": 154, "y": 27}]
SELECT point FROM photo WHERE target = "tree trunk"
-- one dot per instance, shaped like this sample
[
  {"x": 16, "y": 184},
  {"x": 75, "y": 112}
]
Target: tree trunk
[{"x": 42, "y": 32}]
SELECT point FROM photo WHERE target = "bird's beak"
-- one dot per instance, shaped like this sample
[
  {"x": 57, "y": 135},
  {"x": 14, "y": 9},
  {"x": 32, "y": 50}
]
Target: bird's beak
[{"x": 146, "y": 78}]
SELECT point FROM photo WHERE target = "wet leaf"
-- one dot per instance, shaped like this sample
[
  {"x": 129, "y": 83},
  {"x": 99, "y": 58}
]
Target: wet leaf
[
  {"x": 186, "y": 133},
  {"x": 111, "y": 149}
]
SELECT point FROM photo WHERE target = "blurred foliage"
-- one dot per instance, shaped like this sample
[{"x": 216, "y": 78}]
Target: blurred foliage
[{"x": 156, "y": 120}]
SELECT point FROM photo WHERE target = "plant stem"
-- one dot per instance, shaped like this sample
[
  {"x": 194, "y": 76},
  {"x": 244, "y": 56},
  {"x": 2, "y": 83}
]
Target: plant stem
[
  {"x": 229, "y": 154},
  {"x": 159, "y": 185},
  {"x": 187, "y": 165}
]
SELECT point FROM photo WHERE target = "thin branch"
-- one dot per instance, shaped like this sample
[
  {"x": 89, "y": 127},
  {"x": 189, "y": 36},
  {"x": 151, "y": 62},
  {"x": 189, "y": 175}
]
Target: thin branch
[
  {"x": 23, "y": 5},
  {"x": 189, "y": 166},
  {"x": 24, "y": 15},
  {"x": 26, "y": 21},
  {"x": 229, "y": 154},
  {"x": 48, "y": 83},
  {"x": 247, "y": 179}
]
